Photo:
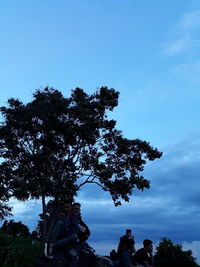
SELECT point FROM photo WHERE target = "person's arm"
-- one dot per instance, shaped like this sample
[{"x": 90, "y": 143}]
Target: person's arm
[
  {"x": 133, "y": 244},
  {"x": 87, "y": 230},
  {"x": 152, "y": 260},
  {"x": 149, "y": 262},
  {"x": 74, "y": 226},
  {"x": 141, "y": 258},
  {"x": 119, "y": 245}
]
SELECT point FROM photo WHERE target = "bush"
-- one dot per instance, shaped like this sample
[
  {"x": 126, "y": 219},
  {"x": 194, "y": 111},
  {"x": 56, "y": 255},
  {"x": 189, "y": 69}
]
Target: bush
[
  {"x": 18, "y": 251},
  {"x": 169, "y": 254}
]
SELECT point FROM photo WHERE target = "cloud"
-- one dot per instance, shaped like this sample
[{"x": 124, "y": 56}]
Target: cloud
[
  {"x": 185, "y": 34},
  {"x": 181, "y": 45},
  {"x": 194, "y": 246},
  {"x": 26, "y": 212},
  {"x": 171, "y": 207},
  {"x": 190, "y": 21},
  {"x": 189, "y": 71}
]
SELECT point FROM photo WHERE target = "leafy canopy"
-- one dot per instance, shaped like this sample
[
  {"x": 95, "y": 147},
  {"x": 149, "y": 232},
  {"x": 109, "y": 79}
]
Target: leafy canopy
[
  {"x": 54, "y": 145},
  {"x": 169, "y": 254},
  {"x": 14, "y": 228}
]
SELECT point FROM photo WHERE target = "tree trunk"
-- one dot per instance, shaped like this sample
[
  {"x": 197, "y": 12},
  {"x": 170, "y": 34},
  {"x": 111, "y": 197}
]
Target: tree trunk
[
  {"x": 44, "y": 219},
  {"x": 52, "y": 218}
]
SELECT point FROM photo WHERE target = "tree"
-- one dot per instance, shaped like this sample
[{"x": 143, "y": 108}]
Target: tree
[
  {"x": 53, "y": 145},
  {"x": 14, "y": 228},
  {"x": 18, "y": 251},
  {"x": 168, "y": 254},
  {"x": 5, "y": 210}
]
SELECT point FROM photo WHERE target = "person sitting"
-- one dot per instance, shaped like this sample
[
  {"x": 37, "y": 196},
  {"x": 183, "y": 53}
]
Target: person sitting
[
  {"x": 114, "y": 256},
  {"x": 123, "y": 240},
  {"x": 125, "y": 258},
  {"x": 65, "y": 232},
  {"x": 84, "y": 232},
  {"x": 144, "y": 256}
]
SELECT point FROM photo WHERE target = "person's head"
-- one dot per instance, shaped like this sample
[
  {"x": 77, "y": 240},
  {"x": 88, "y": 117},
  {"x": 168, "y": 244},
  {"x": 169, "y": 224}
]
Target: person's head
[
  {"x": 148, "y": 245},
  {"x": 128, "y": 232},
  {"x": 66, "y": 206},
  {"x": 76, "y": 208}
]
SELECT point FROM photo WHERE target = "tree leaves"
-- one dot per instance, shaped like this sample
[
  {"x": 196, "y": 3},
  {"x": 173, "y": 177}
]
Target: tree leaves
[
  {"x": 169, "y": 254},
  {"x": 52, "y": 143}
]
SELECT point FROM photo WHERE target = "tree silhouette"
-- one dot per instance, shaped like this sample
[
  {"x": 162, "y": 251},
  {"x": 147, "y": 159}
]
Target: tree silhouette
[
  {"x": 53, "y": 145},
  {"x": 172, "y": 255},
  {"x": 14, "y": 228}
]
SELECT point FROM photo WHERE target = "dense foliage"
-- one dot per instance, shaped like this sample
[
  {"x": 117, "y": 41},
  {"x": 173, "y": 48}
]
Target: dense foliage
[
  {"x": 12, "y": 228},
  {"x": 18, "y": 248},
  {"x": 18, "y": 251},
  {"x": 168, "y": 254},
  {"x": 53, "y": 145},
  {"x": 5, "y": 210}
]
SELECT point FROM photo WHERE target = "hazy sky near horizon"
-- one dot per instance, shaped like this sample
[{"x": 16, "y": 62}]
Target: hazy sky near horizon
[{"x": 150, "y": 52}]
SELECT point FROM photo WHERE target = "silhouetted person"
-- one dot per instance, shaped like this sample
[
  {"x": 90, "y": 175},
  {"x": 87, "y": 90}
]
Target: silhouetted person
[
  {"x": 125, "y": 249},
  {"x": 126, "y": 255},
  {"x": 144, "y": 256},
  {"x": 123, "y": 240},
  {"x": 84, "y": 232},
  {"x": 65, "y": 232},
  {"x": 113, "y": 255}
]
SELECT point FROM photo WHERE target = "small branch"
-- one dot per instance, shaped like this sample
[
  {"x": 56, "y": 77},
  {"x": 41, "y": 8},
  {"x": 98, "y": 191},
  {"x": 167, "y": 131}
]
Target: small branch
[
  {"x": 87, "y": 181},
  {"x": 93, "y": 182}
]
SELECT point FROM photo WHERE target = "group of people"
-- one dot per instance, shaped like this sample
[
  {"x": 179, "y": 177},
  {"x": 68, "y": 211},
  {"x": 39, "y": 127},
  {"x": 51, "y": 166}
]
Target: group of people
[
  {"x": 69, "y": 232},
  {"x": 129, "y": 257}
]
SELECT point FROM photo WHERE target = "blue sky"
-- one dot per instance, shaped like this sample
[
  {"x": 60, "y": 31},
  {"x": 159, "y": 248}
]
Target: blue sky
[{"x": 150, "y": 52}]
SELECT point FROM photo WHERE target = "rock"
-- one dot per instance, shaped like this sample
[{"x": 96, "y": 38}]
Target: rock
[
  {"x": 103, "y": 262},
  {"x": 85, "y": 260}
]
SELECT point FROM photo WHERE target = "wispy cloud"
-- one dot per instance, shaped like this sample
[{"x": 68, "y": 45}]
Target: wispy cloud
[
  {"x": 195, "y": 247},
  {"x": 181, "y": 45},
  {"x": 189, "y": 71},
  {"x": 184, "y": 35},
  {"x": 190, "y": 21}
]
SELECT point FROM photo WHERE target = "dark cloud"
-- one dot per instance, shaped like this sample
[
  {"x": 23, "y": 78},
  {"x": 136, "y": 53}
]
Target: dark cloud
[{"x": 171, "y": 207}]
